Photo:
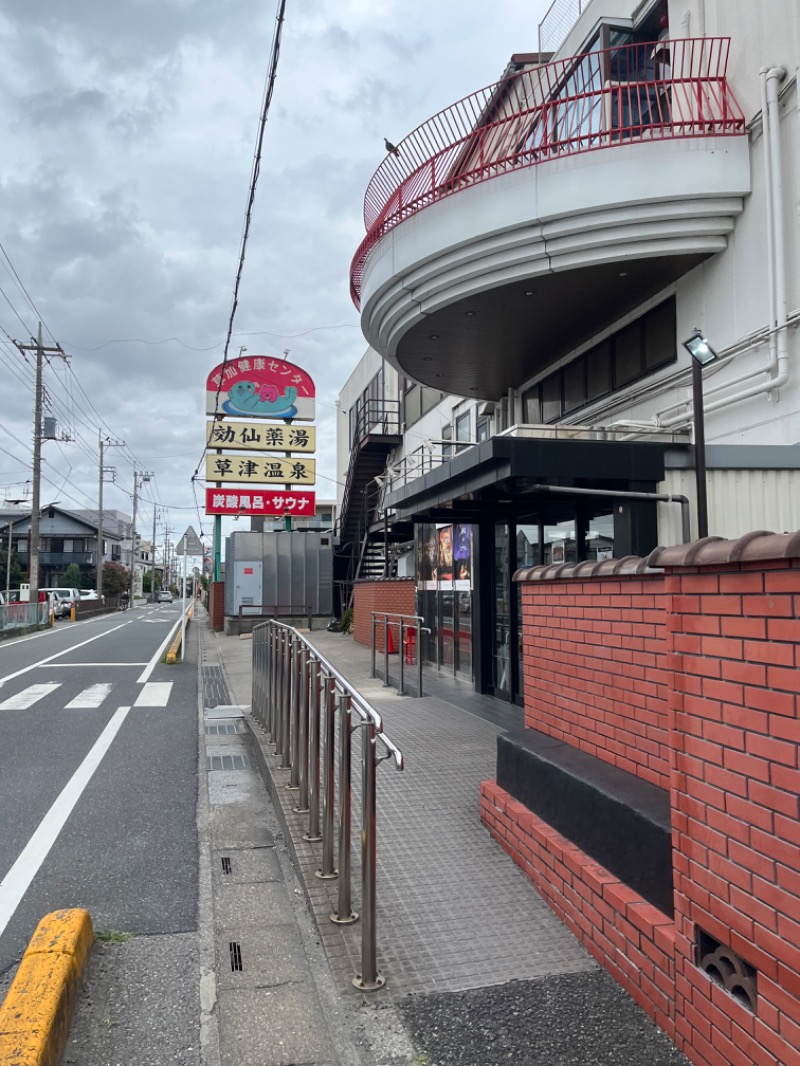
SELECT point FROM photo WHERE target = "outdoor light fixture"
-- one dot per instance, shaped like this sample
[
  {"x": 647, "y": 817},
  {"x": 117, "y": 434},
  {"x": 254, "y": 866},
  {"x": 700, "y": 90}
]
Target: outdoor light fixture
[
  {"x": 702, "y": 354},
  {"x": 700, "y": 350}
]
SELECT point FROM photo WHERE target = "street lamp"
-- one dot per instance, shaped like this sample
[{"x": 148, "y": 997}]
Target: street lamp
[{"x": 702, "y": 354}]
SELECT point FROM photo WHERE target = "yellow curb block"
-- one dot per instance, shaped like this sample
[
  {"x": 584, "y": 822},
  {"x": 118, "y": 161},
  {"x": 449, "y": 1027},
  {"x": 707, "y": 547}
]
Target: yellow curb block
[
  {"x": 36, "y": 1013},
  {"x": 172, "y": 654}
]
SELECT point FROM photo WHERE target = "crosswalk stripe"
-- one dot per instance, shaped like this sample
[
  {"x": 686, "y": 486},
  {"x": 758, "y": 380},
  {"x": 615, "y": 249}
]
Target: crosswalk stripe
[
  {"x": 154, "y": 694},
  {"x": 92, "y": 696},
  {"x": 25, "y": 699}
]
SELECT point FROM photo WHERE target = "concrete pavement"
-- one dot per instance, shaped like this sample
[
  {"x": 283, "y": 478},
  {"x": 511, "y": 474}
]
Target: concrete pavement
[{"x": 479, "y": 971}]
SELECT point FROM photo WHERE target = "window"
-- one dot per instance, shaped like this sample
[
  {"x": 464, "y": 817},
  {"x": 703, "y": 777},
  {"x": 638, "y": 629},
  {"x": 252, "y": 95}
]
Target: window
[
  {"x": 551, "y": 397},
  {"x": 447, "y": 434},
  {"x": 575, "y": 385},
  {"x": 627, "y": 356},
  {"x": 660, "y": 341},
  {"x": 598, "y": 371},
  {"x": 463, "y": 428},
  {"x": 483, "y": 428},
  {"x": 532, "y": 406}
]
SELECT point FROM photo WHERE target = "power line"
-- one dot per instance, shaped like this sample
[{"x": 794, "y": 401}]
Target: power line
[{"x": 269, "y": 88}]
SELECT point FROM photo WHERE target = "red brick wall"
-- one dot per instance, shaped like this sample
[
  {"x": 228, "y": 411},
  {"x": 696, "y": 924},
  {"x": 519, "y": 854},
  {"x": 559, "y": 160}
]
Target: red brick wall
[
  {"x": 595, "y": 669},
  {"x": 629, "y": 937},
  {"x": 216, "y": 605},
  {"x": 731, "y": 684},
  {"x": 396, "y": 595},
  {"x": 735, "y": 655}
]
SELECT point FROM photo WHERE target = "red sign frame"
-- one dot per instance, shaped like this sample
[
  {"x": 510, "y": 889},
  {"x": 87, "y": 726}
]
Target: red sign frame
[{"x": 270, "y": 503}]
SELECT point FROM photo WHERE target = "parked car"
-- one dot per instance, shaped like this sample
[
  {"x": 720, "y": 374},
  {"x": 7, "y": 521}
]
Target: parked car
[
  {"x": 164, "y": 596},
  {"x": 91, "y": 594},
  {"x": 62, "y": 599}
]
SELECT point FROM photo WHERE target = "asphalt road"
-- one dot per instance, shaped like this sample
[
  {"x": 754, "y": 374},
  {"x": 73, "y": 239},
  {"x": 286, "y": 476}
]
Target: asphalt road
[{"x": 98, "y": 778}]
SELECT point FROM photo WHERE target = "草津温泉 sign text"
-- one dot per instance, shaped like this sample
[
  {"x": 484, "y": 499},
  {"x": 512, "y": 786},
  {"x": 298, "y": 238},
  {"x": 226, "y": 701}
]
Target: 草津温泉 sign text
[
  {"x": 260, "y": 386},
  {"x": 252, "y": 470},
  {"x": 262, "y": 436},
  {"x": 265, "y": 502}
]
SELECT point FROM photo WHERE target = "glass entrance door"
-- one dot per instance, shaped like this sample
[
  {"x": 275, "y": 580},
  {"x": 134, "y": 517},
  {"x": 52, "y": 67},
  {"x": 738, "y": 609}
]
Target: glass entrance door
[{"x": 501, "y": 672}]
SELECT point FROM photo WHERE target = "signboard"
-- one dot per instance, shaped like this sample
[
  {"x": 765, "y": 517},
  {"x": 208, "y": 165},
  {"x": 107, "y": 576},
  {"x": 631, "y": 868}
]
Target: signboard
[
  {"x": 259, "y": 386},
  {"x": 260, "y": 470},
  {"x": 262, "y": 436},
  {"x": 190, "y": 543},
  {"x": 267, "y": 502}
]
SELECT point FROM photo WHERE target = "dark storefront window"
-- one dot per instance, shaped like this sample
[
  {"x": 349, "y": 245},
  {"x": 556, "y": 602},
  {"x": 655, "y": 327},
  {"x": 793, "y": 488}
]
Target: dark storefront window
[
  {"x": 632, "y": 353},
  {"x": 600, "y": 537}
]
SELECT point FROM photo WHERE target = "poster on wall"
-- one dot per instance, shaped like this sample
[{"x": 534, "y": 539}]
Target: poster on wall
[
  {"x": 444, "y": 571},
  {"x": 427, "y": 557},
  {"x": 462, "y": 557}
]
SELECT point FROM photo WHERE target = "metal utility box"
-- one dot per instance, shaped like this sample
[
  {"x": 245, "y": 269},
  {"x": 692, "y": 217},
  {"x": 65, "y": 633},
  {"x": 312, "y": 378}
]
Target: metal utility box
[
  {"x": 279, "y": 574},
  {"x": 247, "y": 587}
]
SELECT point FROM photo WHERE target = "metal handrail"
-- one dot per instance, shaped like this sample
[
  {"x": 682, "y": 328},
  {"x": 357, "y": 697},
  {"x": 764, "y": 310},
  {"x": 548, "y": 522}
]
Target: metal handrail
[
  {"x": 401, "y": 622},
  {"x": 297, "y": 696},
  {"x": 596, "y": 100}
]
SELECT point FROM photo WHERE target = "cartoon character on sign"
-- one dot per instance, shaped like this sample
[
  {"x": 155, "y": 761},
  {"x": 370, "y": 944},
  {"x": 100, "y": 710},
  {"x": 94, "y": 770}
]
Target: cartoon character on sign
[
  {"x": 260, "y": 387},
  {"x": 250, "y": 398}
]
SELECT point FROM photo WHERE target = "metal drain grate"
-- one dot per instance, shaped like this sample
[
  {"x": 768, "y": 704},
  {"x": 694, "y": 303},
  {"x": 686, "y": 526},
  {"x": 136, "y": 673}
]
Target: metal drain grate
[
  {"x": 227, "y": 762},
  {"x": 227, "y": 865},
  {"x": 219, "y": 729},
  {"x": 236, "y": 956}
]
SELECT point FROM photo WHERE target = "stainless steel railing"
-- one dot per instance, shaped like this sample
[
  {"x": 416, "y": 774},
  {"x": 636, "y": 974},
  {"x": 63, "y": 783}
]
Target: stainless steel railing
[
  {"x": 297, "y": 697},
  {"x": 407, "y": 625}
]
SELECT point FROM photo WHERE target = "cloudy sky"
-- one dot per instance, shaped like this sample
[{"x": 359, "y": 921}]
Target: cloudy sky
[{"x": 128, "y": 135}]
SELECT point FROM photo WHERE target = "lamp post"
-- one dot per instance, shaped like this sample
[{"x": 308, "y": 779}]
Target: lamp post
[{"x": 702, "y": 354}]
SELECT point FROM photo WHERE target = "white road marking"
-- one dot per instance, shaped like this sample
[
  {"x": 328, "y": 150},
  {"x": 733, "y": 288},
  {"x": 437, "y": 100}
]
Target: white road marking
[
  {"x": 18, "y": 879},
  {"x": 79, "y": 666},
  {"x": 58, "y": 654},
  {"x": 92, "y": 696},
  {"x": 30, "y": 695},
  {"x": 159, "y": 654},
  {"x": 154, "y": 694}
]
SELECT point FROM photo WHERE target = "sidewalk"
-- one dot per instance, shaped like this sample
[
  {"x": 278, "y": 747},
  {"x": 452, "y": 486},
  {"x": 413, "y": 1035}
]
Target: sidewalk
[{"x": 477, "y": 966}]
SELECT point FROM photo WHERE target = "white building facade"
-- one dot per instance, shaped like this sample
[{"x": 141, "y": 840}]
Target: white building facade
[{"x": 536, "y": 256}]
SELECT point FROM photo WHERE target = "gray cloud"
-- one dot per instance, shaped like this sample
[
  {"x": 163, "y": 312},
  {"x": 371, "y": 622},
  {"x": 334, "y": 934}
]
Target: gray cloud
[{"x": 129, "y": 133}]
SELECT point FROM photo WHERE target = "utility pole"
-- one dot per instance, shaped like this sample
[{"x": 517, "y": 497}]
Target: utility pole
[
  {"x": 8, "y": 557},
  {"x": 153, "y": 560},
  {"x": 33, "y": 554},
  {"x": 107, "y": 443},
  {"x": 139, "y": 478},
  {"x": 167, "y": 532}
]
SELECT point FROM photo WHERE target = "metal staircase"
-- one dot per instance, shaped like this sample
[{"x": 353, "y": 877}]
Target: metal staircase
[{"x": 362, "y": 539}]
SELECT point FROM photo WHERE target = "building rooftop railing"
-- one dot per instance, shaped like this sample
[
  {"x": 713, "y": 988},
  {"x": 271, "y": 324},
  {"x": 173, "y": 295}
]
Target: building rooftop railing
[{"x": 600, "y": 99}]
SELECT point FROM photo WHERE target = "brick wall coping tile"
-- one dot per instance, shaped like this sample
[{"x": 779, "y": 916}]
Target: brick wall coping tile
[
  {"x": 630, "y": 565},
  {"x": 758, "y": 546}
]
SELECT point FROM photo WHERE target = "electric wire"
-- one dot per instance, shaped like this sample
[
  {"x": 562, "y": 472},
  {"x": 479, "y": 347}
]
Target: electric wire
[{"x": 269, "y": 89}]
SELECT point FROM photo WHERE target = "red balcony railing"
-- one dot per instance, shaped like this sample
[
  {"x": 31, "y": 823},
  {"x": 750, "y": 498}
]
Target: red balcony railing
[{"x": 601, "y": 99}]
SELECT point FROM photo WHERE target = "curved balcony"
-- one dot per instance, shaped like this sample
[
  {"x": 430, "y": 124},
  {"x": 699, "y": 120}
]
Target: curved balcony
[{"x": 505, "y": 214}]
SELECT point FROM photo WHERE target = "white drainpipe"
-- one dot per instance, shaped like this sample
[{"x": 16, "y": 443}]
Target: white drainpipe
[{"x": 778, "y": 363}]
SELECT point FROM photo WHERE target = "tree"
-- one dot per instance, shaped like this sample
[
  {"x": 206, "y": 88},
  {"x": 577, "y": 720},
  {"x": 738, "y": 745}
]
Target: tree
[
  {"x": 72, "y": 576},
  {"x": 16, "y": 569},
  {"x": 116, "y": 579},
  {"x": 146, "y": 581}
]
